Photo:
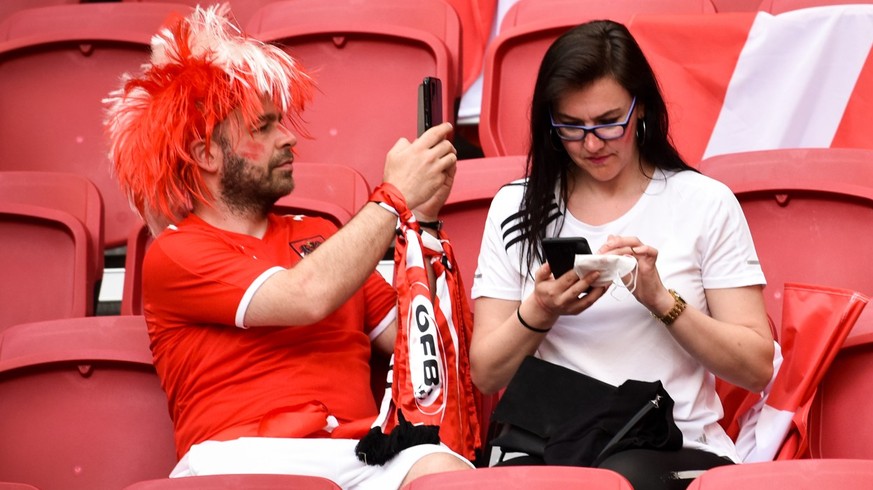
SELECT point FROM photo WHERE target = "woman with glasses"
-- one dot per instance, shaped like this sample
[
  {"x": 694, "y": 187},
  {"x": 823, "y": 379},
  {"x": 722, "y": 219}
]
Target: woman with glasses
[{"x": 601, "y": 166}]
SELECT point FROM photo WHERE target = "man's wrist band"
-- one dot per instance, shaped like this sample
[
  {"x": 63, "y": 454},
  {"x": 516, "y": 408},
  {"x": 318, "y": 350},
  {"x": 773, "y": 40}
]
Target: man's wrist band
[
  {"x": 673, "y": 314},
  {"x": 525, "y": 324},
  {"x": 390, "y": 198}
]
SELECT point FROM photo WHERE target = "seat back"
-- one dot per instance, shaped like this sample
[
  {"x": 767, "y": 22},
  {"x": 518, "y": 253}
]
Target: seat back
[
  {"x": 801, "y": 474},
  {"x": 232, "y": 482},
  {"x": 808, "y": 209},
  {"x": 476, "y": 182},
  {"x": 841, "y": 419},
  {"x": 82, "y": 405},
  {"x": 736, "y": 5},
  {"x": 44, "y": 259},
  {"x": 523, "y": 477},
  {"x": 9, "y": 7},
  {"x": 367, "y": 59},
  {"x": 138, "y": 241},
  {"x": 242, "y": 9},
  {"x": 514, "y": 56},
  {"x": 56, "y": 65},
  {"x": 5, "y": 485},
  {"x": 63, "y": 191},
  {"x": 333, "y": 191}
]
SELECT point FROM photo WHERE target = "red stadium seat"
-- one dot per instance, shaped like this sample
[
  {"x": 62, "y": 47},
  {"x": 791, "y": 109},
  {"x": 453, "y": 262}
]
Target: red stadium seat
[
  {"x": 523, "y": 478},
  {"x": 367, "y": 59},
  {"x": 56, "y": 65},
  {"x": 803, "y": 474},
  {"x": 82, "y": 405},
  {"x": 233, "y": 482},
  {"x": 16, "y": 486},
  {"x": 242, "y": 9},
  {"x": 332, "y": 191},
  {"x": 809, "y": 210},
  {"x": 71, "y": 193},
  {"x": 841, "y": 419},
  {"x": 9, "y": 7},
  {"x": 44, "y": 259},
  {"x": 513, "y": 59},
  {"x": 131, "y": 294},
  {"x": 476, "y": 182},
  {"x": 780, "y": 6},
  {"x": 736, "y": 5}
]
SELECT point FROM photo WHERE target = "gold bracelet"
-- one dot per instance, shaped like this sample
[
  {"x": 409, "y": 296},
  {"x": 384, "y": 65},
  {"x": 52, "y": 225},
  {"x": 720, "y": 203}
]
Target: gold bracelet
[{"x": 673, "y": 314}]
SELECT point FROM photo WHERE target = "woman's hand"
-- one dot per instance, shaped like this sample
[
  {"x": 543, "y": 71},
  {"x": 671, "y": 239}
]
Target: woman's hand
[
  {"x": 565, "y": 295},
  {"x": 648, "y": 288}
]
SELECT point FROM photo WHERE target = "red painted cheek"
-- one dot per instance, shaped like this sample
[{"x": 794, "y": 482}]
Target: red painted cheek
[{"x": 251, "y": 150}]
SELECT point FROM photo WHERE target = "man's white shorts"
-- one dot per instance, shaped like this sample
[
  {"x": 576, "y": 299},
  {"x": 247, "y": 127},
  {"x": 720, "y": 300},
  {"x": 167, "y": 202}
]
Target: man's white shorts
[{"x": 334, "y": 459}]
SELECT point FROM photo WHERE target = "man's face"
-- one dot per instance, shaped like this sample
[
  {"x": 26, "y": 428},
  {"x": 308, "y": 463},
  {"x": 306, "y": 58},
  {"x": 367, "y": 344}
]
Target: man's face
[{"x": 258, "y": 163}]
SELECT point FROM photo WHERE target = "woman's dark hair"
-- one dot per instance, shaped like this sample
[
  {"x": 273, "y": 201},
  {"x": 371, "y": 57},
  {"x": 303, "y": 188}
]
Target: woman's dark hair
[{"x": 577, "y": 59}]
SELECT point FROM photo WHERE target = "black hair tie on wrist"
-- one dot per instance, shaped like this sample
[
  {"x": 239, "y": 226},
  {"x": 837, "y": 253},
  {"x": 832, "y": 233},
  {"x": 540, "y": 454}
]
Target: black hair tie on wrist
[
  {"x": 525, "y": 324},
  {"x": 433, "y": 225}
]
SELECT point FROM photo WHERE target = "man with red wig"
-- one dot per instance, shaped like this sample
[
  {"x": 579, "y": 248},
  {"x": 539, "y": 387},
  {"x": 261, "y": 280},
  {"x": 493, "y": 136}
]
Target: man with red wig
[{"x": 261, "y": 325}]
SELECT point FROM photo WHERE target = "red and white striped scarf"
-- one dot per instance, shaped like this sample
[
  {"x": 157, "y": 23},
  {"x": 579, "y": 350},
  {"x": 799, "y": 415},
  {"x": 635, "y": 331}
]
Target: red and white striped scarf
[{"x": 429, "y": 380}]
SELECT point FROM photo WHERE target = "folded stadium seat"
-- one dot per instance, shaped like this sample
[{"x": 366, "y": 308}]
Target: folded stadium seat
[
  {"x": 71, "y": 193},
  {"x": 233, "y": 482},
  {"x": 841, "y": 418},
  {"x": 331, "y": 191},
  {"x": 82, "y": 405},
  {"x": 780, "y": 6},
  {"x": 512, "y": 59},
  {"x": 809, "y": 210},
  {"x": 138, "y": 242},
  {"x": 367, "y": 59},
  {"x": 56, "y": 65},
  {"x": 523, "y": 478},
  {"x": 804, "y": 474},
  {"x": 44, "y": 259}
]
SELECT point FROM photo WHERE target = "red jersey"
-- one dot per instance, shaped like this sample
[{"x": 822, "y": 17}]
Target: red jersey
[{"x": 224, "y": 381}]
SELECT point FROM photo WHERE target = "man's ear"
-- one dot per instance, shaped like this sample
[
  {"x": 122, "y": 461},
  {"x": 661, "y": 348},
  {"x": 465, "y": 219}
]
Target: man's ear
[{"x": 206, "y": 155}]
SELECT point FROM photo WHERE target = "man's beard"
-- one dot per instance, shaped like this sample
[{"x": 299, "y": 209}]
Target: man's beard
[{"x": 248, "y": 189}]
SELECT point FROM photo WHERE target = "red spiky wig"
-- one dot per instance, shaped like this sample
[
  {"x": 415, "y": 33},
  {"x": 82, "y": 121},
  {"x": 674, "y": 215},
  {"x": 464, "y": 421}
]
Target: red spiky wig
[{"x": 202, "y": 68}]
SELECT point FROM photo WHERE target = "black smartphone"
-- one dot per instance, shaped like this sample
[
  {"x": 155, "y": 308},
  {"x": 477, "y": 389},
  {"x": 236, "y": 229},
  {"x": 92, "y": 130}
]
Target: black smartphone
[
  {"x": 561, "y": 253},
  {"x": 430, "y": 103}
]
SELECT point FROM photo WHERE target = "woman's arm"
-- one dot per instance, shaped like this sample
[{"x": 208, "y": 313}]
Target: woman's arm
[
  {"x": 735, "y": 343},
  {"x": 500, "y": 339}
]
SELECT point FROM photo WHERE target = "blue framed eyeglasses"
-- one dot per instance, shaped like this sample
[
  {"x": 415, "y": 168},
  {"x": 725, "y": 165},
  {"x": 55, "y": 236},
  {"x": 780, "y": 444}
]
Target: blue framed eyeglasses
[{"x": 606, "y": 132}]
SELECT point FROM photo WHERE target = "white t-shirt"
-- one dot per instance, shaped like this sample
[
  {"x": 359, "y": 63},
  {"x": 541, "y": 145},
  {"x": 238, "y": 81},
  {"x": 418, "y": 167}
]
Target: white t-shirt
[{"x": 703, "y": 242}]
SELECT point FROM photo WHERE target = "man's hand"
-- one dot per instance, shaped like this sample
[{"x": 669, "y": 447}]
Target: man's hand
[{"x": 423, "y": 170}]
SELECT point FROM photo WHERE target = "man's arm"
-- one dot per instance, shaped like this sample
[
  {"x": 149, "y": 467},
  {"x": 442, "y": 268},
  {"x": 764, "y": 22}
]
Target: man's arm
[{"x": 317, "y": 286}]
